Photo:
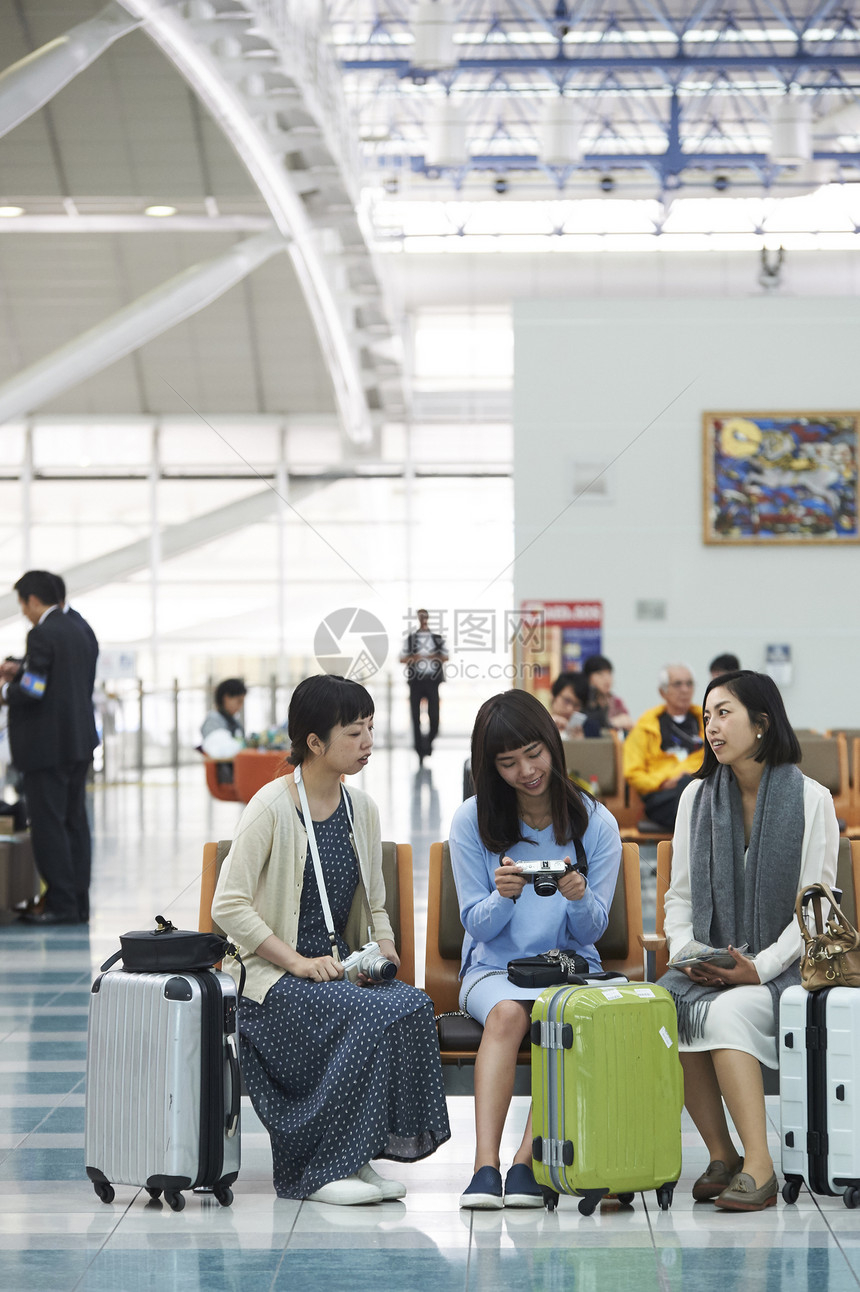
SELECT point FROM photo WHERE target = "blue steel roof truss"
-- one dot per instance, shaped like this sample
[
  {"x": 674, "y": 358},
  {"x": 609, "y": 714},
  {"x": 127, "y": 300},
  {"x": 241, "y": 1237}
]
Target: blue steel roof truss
[{"x": 702, "y": 73}]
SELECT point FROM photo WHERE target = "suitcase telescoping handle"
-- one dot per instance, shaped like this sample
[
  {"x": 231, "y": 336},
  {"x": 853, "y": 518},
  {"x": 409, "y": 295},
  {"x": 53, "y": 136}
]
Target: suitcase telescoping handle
[{"x": 232, "y": 1122}]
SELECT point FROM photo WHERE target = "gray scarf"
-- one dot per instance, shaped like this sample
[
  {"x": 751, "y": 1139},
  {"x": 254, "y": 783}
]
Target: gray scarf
[{"x": 733, "y": 902}]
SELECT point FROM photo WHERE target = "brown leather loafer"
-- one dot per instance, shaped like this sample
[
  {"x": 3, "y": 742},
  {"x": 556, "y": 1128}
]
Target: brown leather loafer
[
  {"x": 742, "y": 1194},
  {"x": 712, "y": 1182}
]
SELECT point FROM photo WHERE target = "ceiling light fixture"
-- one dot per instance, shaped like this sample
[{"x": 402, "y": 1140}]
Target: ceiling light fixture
[
  {"x": 433, "y": 30},
  {"x": 560, "y": 131},
  {"x": 160, "y": 212},
  {"x": 10, "y": 212},
  {"x": 447, "y": 134},
  {"x": 791, "y": 130}
]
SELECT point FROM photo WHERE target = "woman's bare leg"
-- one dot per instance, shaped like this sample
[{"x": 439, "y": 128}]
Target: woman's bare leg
[
  {"x": 524, "y": 1152},
  {"x": 495, "y": 1068},
  {"x": 739, "y": 1077},
  {"x": 703, "y": 1101}
]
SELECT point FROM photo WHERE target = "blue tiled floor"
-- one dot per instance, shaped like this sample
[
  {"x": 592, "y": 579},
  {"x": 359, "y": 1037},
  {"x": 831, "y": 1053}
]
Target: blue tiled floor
[{"x": 56, "y": 1236}]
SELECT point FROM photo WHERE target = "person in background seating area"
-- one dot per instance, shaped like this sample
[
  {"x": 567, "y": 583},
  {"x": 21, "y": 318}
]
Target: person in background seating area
[
  {"x": 610, "y": 709},
  {"x": 664, "y": 749},
  {"x": 568, "y": 705},
  {"x": 723, "y": 664},
  {"x": 222, "y": 732}
]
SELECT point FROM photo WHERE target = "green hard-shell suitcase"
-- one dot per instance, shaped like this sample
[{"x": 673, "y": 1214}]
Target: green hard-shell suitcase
[{"x": 607, "y": 1093}]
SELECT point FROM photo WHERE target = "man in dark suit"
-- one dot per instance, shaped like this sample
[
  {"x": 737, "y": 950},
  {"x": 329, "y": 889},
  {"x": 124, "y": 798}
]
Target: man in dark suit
[{"x": 52, "y": 736}]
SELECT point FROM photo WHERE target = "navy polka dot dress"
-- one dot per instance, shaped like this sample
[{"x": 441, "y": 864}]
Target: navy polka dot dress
[{"x": 340, "y": 1074}]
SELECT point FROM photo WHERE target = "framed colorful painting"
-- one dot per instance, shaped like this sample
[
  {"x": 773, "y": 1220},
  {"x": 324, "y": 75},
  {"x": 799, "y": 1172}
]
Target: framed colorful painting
[{"x": 781, "y": 478}]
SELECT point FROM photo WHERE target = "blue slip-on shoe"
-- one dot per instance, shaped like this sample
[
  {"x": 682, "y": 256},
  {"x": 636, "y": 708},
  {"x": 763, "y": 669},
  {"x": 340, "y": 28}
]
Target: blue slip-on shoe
[
  {"x": 485, "y": 1191},
  {"x": 521, "y": 1189}
]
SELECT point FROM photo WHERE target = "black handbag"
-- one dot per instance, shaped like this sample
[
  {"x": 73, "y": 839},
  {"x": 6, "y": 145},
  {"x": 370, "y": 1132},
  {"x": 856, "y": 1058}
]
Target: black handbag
[
  {"x": 552, "y": 969},
  {"x": 167, "y": 949}
]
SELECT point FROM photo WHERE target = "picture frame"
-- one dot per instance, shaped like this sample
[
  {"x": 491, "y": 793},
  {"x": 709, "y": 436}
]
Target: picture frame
[{"x": 781, "y": 478}]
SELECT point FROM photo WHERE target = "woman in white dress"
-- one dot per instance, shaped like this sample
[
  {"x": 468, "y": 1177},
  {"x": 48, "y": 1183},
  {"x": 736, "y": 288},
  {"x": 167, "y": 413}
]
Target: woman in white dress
[{"x": 751, "y": 831}]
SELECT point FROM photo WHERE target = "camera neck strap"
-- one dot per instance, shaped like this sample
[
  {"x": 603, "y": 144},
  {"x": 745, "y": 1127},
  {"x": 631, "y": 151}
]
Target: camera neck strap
[
  {"x": 318, "y": 864},
  {"x": 315, "y": 857}
]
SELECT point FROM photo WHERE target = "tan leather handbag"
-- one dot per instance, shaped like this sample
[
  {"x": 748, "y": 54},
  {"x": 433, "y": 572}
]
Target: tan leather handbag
[{"x": 831, "y": 951}]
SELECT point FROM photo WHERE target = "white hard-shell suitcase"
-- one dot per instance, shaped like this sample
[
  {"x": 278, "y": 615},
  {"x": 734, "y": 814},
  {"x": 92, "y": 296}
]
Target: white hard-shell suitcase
[
  {"x": 163, "y": 1084},
  {"x": 819, "y": 1099}
]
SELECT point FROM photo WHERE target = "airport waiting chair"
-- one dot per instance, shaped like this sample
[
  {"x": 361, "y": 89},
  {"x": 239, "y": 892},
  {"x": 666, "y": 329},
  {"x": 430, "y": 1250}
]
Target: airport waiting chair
[
  {"x": 225, "y": 792},
  {"x": 598, "y": 759},
  {"x": 396, "y": 871},
  {"x": 851, "y": 736},
  {"x": 633, "y": 824},
  {"x": 825, "y": 759},
  {"x": 459, "y": 1037}
]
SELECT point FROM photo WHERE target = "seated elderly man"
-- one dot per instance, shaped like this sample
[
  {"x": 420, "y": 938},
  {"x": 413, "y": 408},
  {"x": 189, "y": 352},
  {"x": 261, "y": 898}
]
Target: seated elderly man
[{"x": 664, "y": 748}]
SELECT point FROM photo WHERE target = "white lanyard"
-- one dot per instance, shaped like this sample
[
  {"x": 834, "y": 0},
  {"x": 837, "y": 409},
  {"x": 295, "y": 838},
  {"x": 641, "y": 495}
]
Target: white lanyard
[{"x": 315, "y": 854}]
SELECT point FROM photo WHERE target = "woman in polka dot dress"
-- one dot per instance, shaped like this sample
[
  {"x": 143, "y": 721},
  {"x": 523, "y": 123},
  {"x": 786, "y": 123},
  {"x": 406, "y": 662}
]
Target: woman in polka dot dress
[{"x": 340, "y": 1072}]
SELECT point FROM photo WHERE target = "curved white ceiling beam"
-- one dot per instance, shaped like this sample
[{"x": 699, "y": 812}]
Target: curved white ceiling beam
[
  {"x": 131, "y": 327},
  {"x": 27, "y": 85},
  {"x": 177, "y": 39}
]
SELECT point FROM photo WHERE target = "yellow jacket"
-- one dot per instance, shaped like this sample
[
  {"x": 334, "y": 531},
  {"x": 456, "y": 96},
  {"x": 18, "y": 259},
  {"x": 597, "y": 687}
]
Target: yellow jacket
[{"x": 646, "y": 765}]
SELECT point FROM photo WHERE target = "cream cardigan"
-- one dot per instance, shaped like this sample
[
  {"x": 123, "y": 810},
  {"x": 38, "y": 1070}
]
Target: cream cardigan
[{"x": 259, "y": 890}]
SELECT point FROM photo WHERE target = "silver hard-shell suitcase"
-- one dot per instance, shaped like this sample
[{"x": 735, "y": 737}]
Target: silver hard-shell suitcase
[
  {"x": 819, "y": 1100},
  {"x": 163, "y": 1084}
]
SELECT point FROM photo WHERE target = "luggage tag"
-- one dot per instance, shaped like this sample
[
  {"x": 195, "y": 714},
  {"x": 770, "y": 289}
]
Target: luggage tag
[{"x": 33, "y": 683}]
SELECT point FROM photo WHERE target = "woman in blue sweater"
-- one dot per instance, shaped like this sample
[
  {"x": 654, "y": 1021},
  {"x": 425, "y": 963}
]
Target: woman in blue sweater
[{"x": 525, "y": 808}]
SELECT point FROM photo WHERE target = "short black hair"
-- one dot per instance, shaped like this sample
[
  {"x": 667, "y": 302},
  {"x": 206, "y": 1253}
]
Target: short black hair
[
  {"x": 320, "y": 703},
  {"x": 39, "y": 584},
  {"x": 577, "y": 682},
  {"x": 760, "y": 696},
  {"x": 231, "y": 686},
  {"x": 597, "y": 664},
  {"x": 724, "y": 664}
]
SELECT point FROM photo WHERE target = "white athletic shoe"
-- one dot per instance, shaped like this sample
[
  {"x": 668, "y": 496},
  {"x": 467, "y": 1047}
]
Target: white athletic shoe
[
  {"x": 351, "y": 1192},
  {"x": 391, "y": 1190}
]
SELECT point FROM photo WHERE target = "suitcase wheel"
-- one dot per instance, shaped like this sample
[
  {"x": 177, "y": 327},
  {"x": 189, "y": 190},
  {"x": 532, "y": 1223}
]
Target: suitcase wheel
[
  {"x": 104, "y": 1190},
  {"x": 790, "y": 1191},
  {"x": 175, "y": 1201},
  {"x": 155, "y": 1194},
  {"x": 664, "y": 1196},
  {"x": 626, "y": 1199},
  {"x": 588, "y": 1202},
  {"x": 224, "y": 1196},
  {"x": 550, "y": 1198},
  {"x": 851, "y": 1196}
]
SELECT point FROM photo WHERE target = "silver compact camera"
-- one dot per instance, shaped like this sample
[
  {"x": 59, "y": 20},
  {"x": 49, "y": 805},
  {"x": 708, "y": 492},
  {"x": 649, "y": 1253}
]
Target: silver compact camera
[
  {"x": 370, "y": 961},
  {"x": 543, "y": 875}
]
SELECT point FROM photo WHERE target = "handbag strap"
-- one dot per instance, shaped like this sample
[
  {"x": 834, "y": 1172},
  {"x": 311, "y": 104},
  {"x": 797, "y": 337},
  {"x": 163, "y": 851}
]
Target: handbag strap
[
  {"x": 837, "y": 920},
  {"x": 489, "y": 974}
]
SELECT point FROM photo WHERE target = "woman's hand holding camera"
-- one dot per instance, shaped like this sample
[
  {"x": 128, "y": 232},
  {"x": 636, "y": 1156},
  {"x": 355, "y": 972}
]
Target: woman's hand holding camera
[
  {"x": 572, "y": 884},
  {"x": 317, "y": 968},
  {"x": 509, "y": 881},
  {"x": 388, "y": 949}
]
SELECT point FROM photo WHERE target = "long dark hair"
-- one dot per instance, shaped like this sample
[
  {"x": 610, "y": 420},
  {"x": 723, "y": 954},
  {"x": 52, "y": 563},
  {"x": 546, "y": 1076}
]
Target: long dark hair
[
  {"x": 320, "y": 703},
  {"x": 760, "y": 696},
  {"x": 508, "y": 721}
]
